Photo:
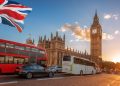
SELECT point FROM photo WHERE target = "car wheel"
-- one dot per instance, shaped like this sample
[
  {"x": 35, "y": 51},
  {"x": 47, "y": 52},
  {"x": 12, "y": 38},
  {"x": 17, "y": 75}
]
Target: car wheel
[
  {"x": 29, "y": 75},
  {"x": 50, "y": 74}
]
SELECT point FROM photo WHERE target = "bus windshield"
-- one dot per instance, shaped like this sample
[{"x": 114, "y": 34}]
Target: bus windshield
[{"x": 66, "y": 58}]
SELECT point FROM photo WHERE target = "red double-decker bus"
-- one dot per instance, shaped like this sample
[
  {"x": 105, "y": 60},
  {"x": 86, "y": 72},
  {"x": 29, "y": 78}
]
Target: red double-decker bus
[{"x": 14, "y": 54}]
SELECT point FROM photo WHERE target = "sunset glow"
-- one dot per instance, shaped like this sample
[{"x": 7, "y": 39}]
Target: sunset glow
[{"x": 116, "y": 59}]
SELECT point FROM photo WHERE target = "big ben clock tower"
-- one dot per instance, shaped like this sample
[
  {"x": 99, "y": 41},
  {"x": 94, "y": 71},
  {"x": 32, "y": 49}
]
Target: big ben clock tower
[{"x": 96, "y": 38}]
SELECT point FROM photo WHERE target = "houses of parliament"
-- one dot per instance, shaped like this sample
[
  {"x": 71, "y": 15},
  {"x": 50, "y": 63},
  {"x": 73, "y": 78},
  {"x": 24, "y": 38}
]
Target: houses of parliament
[{"x": 56, "y": 48}]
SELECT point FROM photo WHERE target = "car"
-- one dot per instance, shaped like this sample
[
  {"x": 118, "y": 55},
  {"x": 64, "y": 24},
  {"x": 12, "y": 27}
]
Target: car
[
  {"x": 31, "y": 70},
  {"x": 55, "y": 68}
]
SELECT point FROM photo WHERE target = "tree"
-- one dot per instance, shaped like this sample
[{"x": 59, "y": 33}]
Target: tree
[{"x": 108, "y": 66}]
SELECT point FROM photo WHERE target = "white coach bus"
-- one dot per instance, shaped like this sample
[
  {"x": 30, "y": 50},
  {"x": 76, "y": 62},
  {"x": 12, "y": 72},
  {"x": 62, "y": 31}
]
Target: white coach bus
[{"x": 77, "y": 65}]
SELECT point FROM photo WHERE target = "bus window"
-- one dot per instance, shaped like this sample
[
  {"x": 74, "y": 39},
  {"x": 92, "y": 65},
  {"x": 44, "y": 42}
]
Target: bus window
[
  {"x": 2, "y": 59},
  {"x": 20, "y": 47},
  {"x": 2, "y": 44},
  {"x": 8, "y": 59},
  {"x": 21, "y": 61},
  {"x": 16, "y": 60},
  {"x": 66, "y": 58},
  {"x": 42, "y": 52},
  {"x": 28, "y": 49},
  {"x": 9, "y": 45},
  {"x": 43, "y": 62},
  {"x": 87, "y": 63},
  {"x": 34, "y": 50},
  {"x": 26, "y": 60},
  {"x": 76, "y": 60}
]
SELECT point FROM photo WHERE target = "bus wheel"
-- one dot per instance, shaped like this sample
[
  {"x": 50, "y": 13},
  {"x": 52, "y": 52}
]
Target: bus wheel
[
  {"x": 29, "y": 75},
  {"x": 92, "y": 73},
  {"x": 81, "y": 73}
]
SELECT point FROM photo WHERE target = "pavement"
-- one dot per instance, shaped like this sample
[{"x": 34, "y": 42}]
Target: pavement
[{"x": 63, "y": 80}]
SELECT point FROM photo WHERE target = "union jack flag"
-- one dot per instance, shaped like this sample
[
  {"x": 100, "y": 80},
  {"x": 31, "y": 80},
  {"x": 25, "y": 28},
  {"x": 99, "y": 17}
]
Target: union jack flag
[{"x": 13, "y": 13}]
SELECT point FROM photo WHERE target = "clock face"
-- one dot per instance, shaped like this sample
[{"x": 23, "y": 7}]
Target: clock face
[{"x": 94, "y": 31}]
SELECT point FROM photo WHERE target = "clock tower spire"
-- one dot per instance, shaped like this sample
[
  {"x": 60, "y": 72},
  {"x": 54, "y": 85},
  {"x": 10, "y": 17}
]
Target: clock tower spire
[
  {"x": 96, "y": 19},
  {"x": 96, "y": 38}
]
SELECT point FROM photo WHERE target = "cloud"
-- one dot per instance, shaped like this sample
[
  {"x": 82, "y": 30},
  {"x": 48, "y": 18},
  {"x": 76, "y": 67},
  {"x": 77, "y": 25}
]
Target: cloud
[
  {"x": 116, "y": 32},
  {"x": 107, "y": 16},
  {"x": 106, "y": 36},
  {"x": 78, "y": 32},
  {"x": 83, "y": 34},
  {"x": 77, "y": 22},
  {"x": 115, "y": 17},
  {"x": 71, "y": 40},
  {"x": 62, "y": 30},
  {"x": 111, "y": 16}
]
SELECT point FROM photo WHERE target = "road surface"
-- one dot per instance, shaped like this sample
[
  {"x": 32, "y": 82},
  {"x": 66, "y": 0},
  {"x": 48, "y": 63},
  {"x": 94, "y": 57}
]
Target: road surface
[{"x": 63, "y": 80}]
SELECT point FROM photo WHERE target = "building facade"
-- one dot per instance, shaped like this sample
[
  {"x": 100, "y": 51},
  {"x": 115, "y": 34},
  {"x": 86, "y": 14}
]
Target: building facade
[
  {"x": 96, "y": 40},
  {"x": 30, "y": 41},
  {"x": 56, "y": 48}
]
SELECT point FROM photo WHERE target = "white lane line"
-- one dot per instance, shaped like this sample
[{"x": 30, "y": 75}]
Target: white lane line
[
  {"x": 51, "y": 78},
  {"x": 13, "y": 82}
]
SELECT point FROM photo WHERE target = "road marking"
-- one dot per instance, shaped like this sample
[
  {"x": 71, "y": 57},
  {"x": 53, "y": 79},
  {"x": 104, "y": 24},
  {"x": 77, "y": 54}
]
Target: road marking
[
  {"x": 13, "y": 82},
  {"x": 51, "y": 78}
]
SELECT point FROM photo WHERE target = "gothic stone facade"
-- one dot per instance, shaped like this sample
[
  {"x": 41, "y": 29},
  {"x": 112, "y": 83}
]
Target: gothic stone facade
[{"x": 55, "y": 47}]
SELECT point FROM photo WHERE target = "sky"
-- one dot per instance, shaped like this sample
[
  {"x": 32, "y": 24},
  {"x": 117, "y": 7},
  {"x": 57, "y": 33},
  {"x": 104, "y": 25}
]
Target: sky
[{"x": 60, "y": 15}]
